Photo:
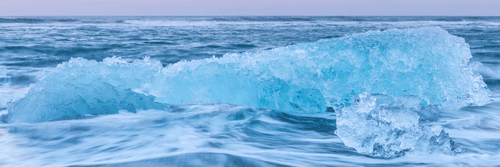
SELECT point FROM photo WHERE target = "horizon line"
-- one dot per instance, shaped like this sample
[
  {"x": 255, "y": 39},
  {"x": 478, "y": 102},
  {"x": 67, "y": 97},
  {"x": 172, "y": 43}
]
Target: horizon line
[{"x": 250, "y": 15}]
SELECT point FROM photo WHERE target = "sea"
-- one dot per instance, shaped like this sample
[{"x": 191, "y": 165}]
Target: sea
[{"x": 249, "y": 91}]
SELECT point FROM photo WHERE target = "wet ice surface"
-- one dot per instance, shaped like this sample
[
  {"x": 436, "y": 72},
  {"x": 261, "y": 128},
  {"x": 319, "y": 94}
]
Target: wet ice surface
[{"x": 387, "y": 127}]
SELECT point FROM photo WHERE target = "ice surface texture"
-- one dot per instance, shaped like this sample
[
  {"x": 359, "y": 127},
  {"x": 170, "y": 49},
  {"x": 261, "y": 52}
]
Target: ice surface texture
[
  {"x": 82, "y": 87},
  {"x": 428, "y": 63},
  {"x": 387, "y": 127}
]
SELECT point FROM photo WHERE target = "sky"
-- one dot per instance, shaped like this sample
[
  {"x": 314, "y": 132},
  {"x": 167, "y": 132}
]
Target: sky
[{"x": 250, "y": 7}]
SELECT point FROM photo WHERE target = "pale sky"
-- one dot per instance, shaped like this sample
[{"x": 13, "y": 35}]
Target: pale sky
[{"x": 250, "y": 7}]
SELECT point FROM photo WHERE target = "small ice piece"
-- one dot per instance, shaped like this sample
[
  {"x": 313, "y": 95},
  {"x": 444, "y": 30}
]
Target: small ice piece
[{"x": 388, "y": 127}]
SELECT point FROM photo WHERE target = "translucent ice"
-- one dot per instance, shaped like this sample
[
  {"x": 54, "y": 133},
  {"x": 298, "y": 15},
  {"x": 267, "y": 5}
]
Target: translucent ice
[
  {"x": 389, "y": 127},
  {"x": 82, "y": 87},
  {"x": 428, "y": 63}
]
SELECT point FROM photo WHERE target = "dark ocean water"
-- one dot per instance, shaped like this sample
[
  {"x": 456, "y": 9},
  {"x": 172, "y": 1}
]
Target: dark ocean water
[{"x": 249, "y": 91}]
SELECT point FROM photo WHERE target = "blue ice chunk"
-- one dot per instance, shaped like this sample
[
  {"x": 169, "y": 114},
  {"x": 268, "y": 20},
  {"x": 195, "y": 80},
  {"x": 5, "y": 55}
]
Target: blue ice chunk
[
  {"x": 387, "y": 127},
  {"x": 428, "y": 63},
  {"x": 82, "y": 87}
]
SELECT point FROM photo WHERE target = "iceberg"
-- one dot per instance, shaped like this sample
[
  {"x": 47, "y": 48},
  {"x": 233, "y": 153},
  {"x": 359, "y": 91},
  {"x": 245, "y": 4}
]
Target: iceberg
[{"x": 428, "y": 63}]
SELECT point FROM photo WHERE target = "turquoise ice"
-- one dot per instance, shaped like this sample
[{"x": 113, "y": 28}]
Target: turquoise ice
[
  {"x": 428, "y": 63},
  {"x": 387, "y": 127}
]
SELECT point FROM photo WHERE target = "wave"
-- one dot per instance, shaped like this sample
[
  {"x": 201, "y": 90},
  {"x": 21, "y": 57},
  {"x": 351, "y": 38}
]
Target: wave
[
  {"x": 21, "y": 20},
  {"x": 172, "y": 23},
  {"x": 37, "y": 20},
  {"x": 352, "y": 18},
  {"x": 267, "y": 18}
]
